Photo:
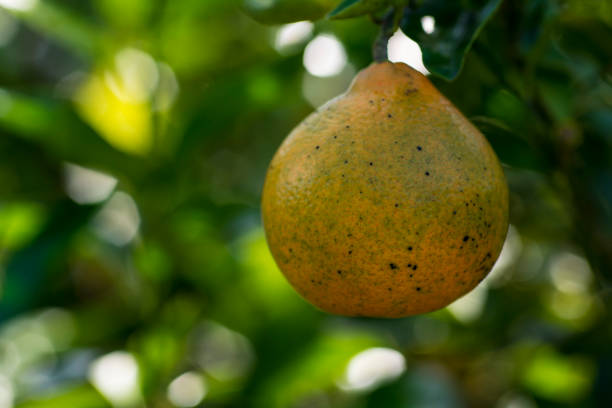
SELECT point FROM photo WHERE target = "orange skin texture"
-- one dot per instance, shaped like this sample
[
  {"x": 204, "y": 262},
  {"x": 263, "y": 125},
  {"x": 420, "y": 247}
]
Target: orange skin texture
[{"x": 385, "y": 202}]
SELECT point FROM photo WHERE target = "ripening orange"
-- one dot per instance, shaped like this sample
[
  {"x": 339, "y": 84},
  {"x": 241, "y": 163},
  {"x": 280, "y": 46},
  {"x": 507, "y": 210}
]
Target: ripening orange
[{"x": 386, "y": 201}]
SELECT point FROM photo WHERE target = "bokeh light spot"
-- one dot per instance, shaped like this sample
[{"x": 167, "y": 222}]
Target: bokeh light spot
[
  {"x": 558, "y": 377},
  {"x": 289, "y": 36},
  {"x": 116, "y": 376},
  {"x": 187, "y": 390},
  {"x": 403, "y": 49},
  {"x": 324, "y": 56},
  {"x": 570, "y": 273},
  {"x": 372, "y": 367},
  {"x": 7, "y": 393},
  {"x": 118, "y": 221},
  {"x": 136, "y": 75},
  {"x": 428, "y": 23},
  {"x": 87, "y": 186},
  {"x": 19, "y": 5},
  {"x": 469, "y": 308},
  {"x": 510, "y": 253},
  {"x": 223, "y": 353}
]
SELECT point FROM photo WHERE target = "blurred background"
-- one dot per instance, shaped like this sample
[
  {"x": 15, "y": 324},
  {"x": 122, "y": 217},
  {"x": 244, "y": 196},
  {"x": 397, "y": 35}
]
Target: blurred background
[{"x": 134, "y": 140}]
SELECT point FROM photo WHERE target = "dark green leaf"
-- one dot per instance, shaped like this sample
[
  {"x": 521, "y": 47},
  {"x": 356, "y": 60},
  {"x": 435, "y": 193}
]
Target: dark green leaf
[
  {"x": 511, "y": 150},
  {"x": 457, "y": 26},
  {"x": 355, "y": 8},
  {"x": 28, "y": 270}
]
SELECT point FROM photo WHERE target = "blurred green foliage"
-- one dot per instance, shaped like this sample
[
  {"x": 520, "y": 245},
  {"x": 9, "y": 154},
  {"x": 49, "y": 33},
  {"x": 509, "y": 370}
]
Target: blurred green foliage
[{"x": 134, "y": 140}]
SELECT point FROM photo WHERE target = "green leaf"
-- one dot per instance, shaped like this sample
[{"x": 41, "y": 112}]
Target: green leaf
[
  {"x": 62, "y": 24},
  {"x": 32, "y": 267},
  {"x": 457, "y": 24},
  {"x": 271, "y": 12},
  {"x": 356, "y": 8},
  {"x": 511, "y": 149},
  {"x": 78, "y": 396}
]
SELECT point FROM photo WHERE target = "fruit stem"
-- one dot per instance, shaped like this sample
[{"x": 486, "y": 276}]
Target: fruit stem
[{"x": 387, "y": 28}]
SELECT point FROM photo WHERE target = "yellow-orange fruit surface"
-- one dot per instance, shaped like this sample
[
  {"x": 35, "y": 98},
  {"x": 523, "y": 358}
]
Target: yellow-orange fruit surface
[{"x": 387, "y": 201}]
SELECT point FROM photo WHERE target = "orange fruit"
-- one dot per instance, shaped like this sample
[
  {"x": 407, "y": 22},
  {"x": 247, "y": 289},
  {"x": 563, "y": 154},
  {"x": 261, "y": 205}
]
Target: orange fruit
[{"x": 386, "y": 201}]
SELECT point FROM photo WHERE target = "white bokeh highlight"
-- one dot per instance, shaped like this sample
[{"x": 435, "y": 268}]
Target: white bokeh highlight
[
  {"x": 570, "y": 273},
  {"x": 135, "y": 77},
  {"x": 116, "y": 377},
  {"x": 87, "y": 186},
  {"x": 372, "y": 367},
  {"x": 119, "y": 220},
  {"x": 428, "y": 24},
  {"x": 19, "y": 5},
  {"x": 469, "y": 308},
  {"x": 291, "y": 35},
  {"x": 402, "y": 49},
  {"x": 187, "y": 390},
  {"x": 325, "y": 56},
  {"x": 7, "y": 393}
]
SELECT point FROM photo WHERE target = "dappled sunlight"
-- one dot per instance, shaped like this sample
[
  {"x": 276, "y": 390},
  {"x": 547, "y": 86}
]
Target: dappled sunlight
[
  {"x": 222, "y": 353},
  {"x": 167, "y": 89},
  {"x": 325, "y": 56},
  {"x": 469, "y": 308},
  {"x": 126, "y": 125},
  {"x": 135, "y": 76},
  {"x": 372, "y": 367},
  {"x": 515, "y": 400},
  {"x": 428, "y": 23},
  {"x": 557, "y": 376},
  {"x": 116, "y": 376},
  {"x": 119, "y": 220},
  {"x": 29, "y": 347},
  {"x": 262, "y": 278},
  {"x": 29, "y": 341},
  {"x": 119, "y": 101},
  {"x": 187, "y": 390},
  {"x": 403, "y": 49},
  {"x": 571, "y": 306},
  {"x": 58, "y": 326},
  {"x": 87, "y": 186},
  {"x": 19, "y": 222},
  {"x": 19, "y": 5},
  {"x": 570, "y": 273},
  {"x": 510, "y": 253},
  {"x": 289, "y": 36}
]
